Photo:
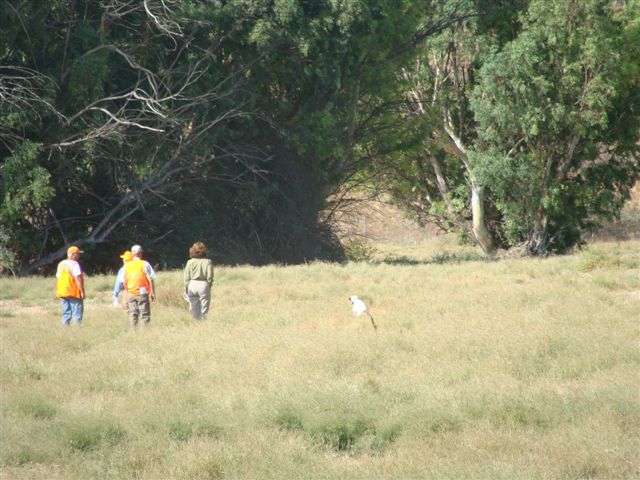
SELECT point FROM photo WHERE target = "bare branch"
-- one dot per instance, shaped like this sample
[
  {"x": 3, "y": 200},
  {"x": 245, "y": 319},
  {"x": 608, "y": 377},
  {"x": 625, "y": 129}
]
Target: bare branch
[
  {"x": 24, "y": 88},
  {"x": 164, "y": 24},
  {"x": 461, "y": 150}
]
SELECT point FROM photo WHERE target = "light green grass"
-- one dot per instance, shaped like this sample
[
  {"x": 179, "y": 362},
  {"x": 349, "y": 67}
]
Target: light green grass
[{"x": 507, "y": 369}]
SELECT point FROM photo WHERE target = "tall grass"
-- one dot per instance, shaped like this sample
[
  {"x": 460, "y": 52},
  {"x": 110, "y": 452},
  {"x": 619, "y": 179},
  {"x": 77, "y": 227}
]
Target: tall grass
[{"x": 509, "y": 369}]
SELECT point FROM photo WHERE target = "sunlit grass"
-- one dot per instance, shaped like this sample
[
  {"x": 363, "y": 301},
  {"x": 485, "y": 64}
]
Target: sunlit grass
[{"x": 505, "y": 369}]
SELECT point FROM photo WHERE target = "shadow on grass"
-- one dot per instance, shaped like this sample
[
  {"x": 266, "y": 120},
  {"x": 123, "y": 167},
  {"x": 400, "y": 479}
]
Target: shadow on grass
[{"x": 440, "y": 258}]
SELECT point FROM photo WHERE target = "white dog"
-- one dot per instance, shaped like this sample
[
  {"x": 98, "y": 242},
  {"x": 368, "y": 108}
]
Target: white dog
[{"x": 358, "y": 307}]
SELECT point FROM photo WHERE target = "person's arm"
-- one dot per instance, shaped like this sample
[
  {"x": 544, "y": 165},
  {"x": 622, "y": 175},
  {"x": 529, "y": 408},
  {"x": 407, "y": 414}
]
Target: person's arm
[
  {"x": 119, "y": 283},
  {"x": 80, "y": 281},
  {"x": 118, "y": 287},
  {"x": 151, "y": 275},
  {"x": 210, "y": 272},
  {"x": 149, "y": 271},
  {"x": 152, "y": 295},
  {"x": 76, "y": 272},
  {"x": 186, "y": 275}
]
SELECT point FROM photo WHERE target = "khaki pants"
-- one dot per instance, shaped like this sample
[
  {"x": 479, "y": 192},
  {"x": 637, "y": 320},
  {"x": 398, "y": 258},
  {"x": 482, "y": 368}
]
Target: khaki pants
[
  {"x": 139, "y": 305},
  {"x": 199, "y": 293}
]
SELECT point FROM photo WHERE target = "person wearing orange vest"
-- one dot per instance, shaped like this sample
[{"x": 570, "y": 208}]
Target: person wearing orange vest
[
  {"x": 139, "y": 283},
  {"x": 70, "y": 286},
  {"x": 119, "y": 285}
]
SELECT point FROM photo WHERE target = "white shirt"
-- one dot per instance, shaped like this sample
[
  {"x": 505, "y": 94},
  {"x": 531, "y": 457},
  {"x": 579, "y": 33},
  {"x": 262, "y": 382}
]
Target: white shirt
[
  {"x": 148, "y": 270},
  {"x": 71, "y": 265}
]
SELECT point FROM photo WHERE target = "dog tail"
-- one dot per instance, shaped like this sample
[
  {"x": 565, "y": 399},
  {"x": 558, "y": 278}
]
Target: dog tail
[{"x": 375, "y": 327}]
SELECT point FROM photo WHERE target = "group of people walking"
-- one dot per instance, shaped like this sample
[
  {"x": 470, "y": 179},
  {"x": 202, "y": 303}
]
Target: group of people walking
[{"x": 136, "y": 280}]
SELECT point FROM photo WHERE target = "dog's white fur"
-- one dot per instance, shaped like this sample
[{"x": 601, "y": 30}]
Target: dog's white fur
[{"x": 358, "y": 307}]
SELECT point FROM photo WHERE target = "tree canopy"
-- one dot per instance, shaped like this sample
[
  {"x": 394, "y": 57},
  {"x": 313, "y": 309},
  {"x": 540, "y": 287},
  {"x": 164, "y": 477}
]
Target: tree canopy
[
  {"x": 165, "y": 122},
  {"x": 530, "y": 125},
  {"x": 551, "y": 146}
]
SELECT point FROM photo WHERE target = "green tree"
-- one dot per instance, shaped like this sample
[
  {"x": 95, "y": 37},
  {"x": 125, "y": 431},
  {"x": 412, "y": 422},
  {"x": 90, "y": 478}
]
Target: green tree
[
  {"x": 114, "y": 98},
  {"x": 557, "y": 119},
  {"x": 434, "y": 180},
  {"x": 514, "y": 90},
  {"x": 161, "y": 121}
]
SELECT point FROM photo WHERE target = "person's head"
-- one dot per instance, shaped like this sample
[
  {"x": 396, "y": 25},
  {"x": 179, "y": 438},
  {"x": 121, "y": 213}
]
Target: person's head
[
  {"x": 126, "y": 256},
  {"x": 136, "y": 251},
  {"x": 198, "y": 250},
  {"x": 73, "y": 253}
]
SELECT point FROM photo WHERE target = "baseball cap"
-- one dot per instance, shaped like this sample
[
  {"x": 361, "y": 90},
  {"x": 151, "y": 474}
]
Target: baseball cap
[
  {"x": 136, "y": 249},
  {"x": 127, "y": 256},
  {"x": 74, "y": 249}
]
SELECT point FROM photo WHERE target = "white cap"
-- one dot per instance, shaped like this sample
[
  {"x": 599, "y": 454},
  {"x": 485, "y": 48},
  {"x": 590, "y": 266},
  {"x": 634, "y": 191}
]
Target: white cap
[{"x": 136, "y": 249}]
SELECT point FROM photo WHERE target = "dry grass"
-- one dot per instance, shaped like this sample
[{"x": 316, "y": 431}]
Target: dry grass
[{"x": 510, "y": 369}]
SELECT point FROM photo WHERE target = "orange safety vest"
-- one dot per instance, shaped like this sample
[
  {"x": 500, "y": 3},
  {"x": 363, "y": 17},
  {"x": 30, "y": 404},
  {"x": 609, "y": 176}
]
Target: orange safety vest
[
  {"x": 67, "y": 286},
  {"x": 135, "y": 278}
]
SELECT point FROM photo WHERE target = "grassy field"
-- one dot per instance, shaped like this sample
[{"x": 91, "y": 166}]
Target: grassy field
[{"x": 504, "y": 369}]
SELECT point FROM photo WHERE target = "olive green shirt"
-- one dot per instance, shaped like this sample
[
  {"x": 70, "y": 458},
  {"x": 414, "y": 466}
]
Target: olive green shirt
[{"x": 198, "y": 269}]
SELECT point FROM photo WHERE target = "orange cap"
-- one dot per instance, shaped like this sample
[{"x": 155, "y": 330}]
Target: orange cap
[
  {"x": 74, "y": 249},
  {"x": 127, "y": 256}
]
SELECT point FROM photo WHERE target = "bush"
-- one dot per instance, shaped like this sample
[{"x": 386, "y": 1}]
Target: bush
[
  {"x": 354, "y": 436},
  {"x": 288, "y": 420},
  {"x": 181, "y": 431},
  {"x": 341, "y": 436},
  {"x": 7, "y": 256},
  {"x": 90, "y": 435},
  {"x": 359, "y": 251}
]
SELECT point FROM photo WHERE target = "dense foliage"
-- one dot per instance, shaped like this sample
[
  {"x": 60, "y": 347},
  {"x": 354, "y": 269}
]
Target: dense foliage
[
  {"x": 531, "y": 108},
  {"x": 164, "y": 122},
  {"x": 555, "y": 145}
]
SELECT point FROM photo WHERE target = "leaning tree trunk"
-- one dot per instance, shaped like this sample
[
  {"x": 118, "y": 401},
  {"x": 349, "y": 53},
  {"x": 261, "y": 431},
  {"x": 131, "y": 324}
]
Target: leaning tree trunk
[{"x": 479, "y": 227}]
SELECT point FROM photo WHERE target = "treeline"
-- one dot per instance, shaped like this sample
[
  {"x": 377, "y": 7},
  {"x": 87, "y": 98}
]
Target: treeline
[{"x": 233, "y": 122}]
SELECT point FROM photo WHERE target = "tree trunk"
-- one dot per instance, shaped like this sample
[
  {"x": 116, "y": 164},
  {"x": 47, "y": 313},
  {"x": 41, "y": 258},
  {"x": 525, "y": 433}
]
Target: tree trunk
[
  {"x": 482, "y": 235},
  {"x": 539, "y": 240},
  {"x": 443, "y": 189},
  {"x": 479, "y": 228}
]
